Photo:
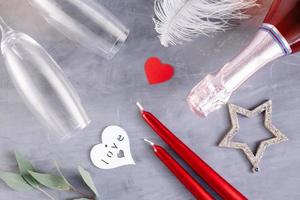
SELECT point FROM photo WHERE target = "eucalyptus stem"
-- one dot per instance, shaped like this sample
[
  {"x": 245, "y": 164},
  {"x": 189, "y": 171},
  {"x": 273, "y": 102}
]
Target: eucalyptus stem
[
  {"x": 61, "y": 174},
  {"x": 45, "y": 193},
  {"x": 83, "y": 194},
  {"x": 71, "y": 186},
  {"x": 28, "y": 178}
]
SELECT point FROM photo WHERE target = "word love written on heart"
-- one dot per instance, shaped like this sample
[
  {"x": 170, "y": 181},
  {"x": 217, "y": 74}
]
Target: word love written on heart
[{"x": 114, "y": 150}]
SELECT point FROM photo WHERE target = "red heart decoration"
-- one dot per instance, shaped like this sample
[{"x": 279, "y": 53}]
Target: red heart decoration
[{"x": 156, "y": 72}]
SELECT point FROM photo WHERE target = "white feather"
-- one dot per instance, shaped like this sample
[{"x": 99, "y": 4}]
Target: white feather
[{"x": 177, "y": 21}]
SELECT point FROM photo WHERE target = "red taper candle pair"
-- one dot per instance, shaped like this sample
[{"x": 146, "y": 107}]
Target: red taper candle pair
[
  {"x": 182, "y": 175},
  {"x": 210, "y": 176}
]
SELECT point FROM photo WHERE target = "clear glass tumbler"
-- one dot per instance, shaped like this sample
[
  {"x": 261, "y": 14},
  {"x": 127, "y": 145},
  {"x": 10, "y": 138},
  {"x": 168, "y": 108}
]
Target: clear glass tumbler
[{"x": 85, "y": 22}]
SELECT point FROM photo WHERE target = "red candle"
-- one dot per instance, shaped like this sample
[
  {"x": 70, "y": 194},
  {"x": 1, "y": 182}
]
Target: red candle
[
  {"x": 182, "y": 175},
  {"x": 211, "y": 177}
]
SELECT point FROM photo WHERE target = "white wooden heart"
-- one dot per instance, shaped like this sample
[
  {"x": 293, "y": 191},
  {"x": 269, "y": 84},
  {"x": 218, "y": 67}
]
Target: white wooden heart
[{"x": 114, "y": 151}]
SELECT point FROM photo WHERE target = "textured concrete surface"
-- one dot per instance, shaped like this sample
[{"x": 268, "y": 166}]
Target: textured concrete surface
[{"x": 109, "y": 90}]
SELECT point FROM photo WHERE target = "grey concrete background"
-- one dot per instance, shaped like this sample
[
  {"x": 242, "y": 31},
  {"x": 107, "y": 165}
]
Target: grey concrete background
[{"x": 109, "y": 90}]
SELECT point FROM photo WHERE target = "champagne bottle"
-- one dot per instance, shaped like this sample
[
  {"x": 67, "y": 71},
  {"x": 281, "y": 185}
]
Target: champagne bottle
[{"x": 278, "y": 36}]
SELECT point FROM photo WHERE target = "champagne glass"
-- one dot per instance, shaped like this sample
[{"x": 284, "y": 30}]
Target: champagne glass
[
  {"x": 41, "y": 82},
  {"x": 85, "y": 22},
  {"x": 278, "y": 36}
]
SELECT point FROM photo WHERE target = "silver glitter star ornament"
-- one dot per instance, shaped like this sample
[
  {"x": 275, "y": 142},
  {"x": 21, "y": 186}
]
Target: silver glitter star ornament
[{"x": 254, "y": 158}]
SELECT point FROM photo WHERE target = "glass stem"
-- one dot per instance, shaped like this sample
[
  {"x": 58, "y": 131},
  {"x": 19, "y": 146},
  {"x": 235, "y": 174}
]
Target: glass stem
[{"x": 4, "y": 27}]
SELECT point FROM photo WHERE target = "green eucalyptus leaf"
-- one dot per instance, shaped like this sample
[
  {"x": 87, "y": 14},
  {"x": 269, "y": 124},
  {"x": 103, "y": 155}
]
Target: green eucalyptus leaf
[
  {"x": 25, "y": 166},
  {"x": 61, "y": 174},
  {"x": 15, "y": 181},
  {"x": 51, "y": 181},
  {"x": 88, "y": 180}
]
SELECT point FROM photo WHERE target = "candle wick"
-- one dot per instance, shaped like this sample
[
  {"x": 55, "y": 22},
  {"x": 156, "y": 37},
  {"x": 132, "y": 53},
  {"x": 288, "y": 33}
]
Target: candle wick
[
  {"x": 149, "y": 142},
  {"x": 140, "y": 106}
]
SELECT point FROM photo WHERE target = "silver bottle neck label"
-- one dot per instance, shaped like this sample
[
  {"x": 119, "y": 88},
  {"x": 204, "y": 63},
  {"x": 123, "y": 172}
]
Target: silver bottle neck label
[{"x": 278, "y": 38}]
